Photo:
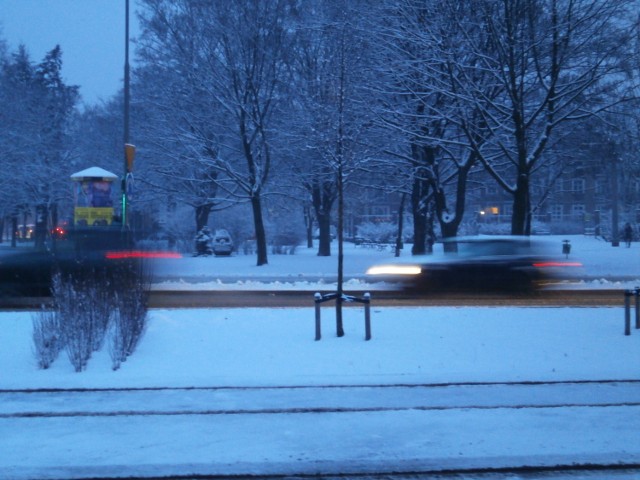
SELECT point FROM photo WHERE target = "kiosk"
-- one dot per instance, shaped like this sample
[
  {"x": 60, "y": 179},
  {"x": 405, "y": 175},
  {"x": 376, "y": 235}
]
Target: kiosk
[{"x": 92, "y": 199}]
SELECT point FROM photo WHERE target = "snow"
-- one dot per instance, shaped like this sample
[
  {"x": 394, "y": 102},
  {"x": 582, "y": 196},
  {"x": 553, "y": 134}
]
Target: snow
[
  {"x": 249, "y": 391},
  {"x": 94, "y": 172}
]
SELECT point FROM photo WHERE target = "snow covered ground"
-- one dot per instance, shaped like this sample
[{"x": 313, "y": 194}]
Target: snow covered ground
[{"x": 249, "y": 391}]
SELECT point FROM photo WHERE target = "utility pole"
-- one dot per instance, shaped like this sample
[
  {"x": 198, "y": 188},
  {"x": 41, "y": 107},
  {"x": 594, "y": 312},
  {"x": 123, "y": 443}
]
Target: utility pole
[{"x": 129, "y": 149}]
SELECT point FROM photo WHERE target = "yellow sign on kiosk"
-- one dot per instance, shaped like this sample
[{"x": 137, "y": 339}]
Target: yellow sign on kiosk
[{"x": 92, "y": 216}]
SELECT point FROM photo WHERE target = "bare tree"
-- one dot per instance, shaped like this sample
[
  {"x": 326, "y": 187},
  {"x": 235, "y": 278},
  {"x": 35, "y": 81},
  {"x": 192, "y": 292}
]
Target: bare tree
[
  {"x": 555, "y": 61},
  {"x": 236, "y": 52},
  {"x": 177, "y": 119},
  {"x": 328, "y": 120},
  {"x": 426, "y": 74}
]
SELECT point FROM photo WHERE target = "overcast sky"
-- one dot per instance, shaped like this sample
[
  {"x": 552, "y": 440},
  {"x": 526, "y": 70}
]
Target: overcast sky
[{"x": 91, "y": 34}]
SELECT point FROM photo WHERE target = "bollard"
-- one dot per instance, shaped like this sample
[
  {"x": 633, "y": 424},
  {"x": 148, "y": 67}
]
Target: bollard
[
  {"x": 366, "y": 299},
  {"x": 318, "y": 300},
  {"x": 367, "y": 316},
  {"x": 637, "y": 294},
  {"x": 627, "y": 312}
]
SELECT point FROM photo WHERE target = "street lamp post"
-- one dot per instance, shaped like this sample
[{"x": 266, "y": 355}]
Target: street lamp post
[{"x": 128, "y": 152}]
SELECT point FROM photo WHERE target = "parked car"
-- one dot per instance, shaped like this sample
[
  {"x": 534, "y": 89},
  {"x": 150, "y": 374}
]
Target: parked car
[
  {"x": 222, "y": 244},
  {"x": 480, "y": 263}
]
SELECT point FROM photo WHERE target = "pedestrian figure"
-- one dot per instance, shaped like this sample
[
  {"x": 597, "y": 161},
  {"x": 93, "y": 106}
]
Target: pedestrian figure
[{"x": 628, "y": 234}]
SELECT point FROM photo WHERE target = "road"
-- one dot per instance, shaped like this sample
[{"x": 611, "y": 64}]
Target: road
[
  {"x": 388, "y": 298},
  {"x": 379, "y": 298}
]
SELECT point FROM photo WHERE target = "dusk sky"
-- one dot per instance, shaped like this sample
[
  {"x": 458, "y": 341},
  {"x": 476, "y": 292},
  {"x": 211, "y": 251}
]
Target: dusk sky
[{"x": 91, "y": 34}]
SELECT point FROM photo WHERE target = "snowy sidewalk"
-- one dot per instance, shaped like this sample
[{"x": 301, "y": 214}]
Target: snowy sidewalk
[
  {"x": 215, "y": 411},
  {"x": 311, "y": 443}
]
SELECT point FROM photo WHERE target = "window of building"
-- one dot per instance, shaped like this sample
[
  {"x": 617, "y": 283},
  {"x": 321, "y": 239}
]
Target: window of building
[
  {"x": 558, "y": 186},
  {"x": 577, "y": 210},
  {"x": 490, "y": 189},
  {"x": 577, "y": 185},
  {"x": 556, "y": 212}
]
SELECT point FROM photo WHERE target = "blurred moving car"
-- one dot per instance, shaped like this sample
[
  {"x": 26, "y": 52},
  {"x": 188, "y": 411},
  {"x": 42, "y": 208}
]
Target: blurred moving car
[
  {"x": 221, "y": 243},
  {"x": 82, "y": 253},
  {"x": 29, "y": 271},
  {"x": 495, "y": 263},
  {"x": 25, "y": 272}
]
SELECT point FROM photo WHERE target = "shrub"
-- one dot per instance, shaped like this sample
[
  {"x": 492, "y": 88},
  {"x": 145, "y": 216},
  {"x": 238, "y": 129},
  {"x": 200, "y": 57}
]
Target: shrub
[
  {"x": 285, "y": 243},
  {"x": 384, "y": 232},
  {"x": 72, "y": 307},
  {"x": 89, "y": 304},
  {"x": 47, "y": 337},
  {"x": 129, "y": 317}
]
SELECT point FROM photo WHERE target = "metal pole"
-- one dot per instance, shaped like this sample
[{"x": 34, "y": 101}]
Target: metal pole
[
  {"x": 125, "y": 218},
  {"x": 627, "y": 312},
  {"x": 318, "y": 300},
  {"x": 367, "y": 316}
]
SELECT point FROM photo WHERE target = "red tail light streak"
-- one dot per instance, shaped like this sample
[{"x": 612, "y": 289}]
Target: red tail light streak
[
  {"x": 556, "y": 264},
  {"x": 120, "y": 255}
]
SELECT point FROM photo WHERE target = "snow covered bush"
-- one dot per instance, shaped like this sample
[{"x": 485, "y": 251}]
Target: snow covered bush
[
  {"x": 47, "y": 337},
  {"x": 128, "y": 319},
  {"x": 285, "y": 243},
  {"x": 89, "y": 306},
  {"x": 384, "y": 232},
  {"x": 72, "y": 306}
]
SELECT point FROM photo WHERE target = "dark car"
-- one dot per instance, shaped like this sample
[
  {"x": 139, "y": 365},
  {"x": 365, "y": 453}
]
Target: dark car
[
  {"x": 86, "y": 253},
  {"x": 504, "y": 263},
  {"x": 25, "y": 271}
]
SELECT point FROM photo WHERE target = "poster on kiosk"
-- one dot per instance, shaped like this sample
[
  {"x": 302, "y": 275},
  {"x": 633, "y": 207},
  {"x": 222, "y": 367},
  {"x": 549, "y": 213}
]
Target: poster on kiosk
[{"x": 93, "y": 200}]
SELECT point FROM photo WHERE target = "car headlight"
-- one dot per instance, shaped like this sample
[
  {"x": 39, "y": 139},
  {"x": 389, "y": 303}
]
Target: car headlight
[{"x": 395, "y": 270}]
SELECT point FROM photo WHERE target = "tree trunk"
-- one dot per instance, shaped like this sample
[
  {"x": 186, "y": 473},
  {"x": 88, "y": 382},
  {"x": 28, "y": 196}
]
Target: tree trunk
[
  {"x": 419, "y": 210},
  {"x": 449, "y": 230},
  {"x": 340, "y": 291},
  {"x": 202, "y": 215},
  {"x": 399, "y": 242},
  {"x": 324, "y": 240},
  {"x": 40, "y": 228},
  {"x": 521, "y": 219},
  {"x": 258, "y": 224},
  {"x": 308, "y": 224},
  {"x": 615, "y": 234},
  {"x": 54, "y": 215},
  {"x": 14, "y": 229},
  {"x": 322, "y": 198}
]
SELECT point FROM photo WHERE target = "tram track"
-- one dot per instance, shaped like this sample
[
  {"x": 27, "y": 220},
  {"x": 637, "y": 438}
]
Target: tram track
[{"x": 287, "y": 400}]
